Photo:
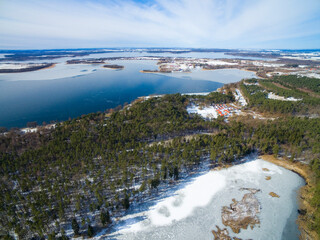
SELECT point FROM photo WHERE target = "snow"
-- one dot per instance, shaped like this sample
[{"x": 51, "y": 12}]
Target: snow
[
  {"x": 271, "y": 95},
  {"x": 17, "y": 66},
  {"x": 186, "y": 200},
  {"x": 61, "y": 70},
  {"x": 311, "y": 75},
  {"x": 192, "y": 211},
  {"x": 264, "y": 64},
  {"x": 200, "y": 94},
  {"x": 219, "y": 62},
  {"x": 29, "y": 130},
  {"x": 250, "y": 84},
  {"x": 240, "y": 98},
  {"x": 205, "y": 112}
]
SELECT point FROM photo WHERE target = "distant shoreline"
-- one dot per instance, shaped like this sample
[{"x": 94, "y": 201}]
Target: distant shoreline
[
  {"x": 113, "y": 66},
  {"x": 28, "y": 69}
]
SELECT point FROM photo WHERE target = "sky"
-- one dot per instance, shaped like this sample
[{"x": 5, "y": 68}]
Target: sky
[{"x": 53, "y": 24}]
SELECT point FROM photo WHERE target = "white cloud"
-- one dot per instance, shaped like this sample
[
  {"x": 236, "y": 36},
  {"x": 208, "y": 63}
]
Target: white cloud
[{"x": 181, "y": 23}]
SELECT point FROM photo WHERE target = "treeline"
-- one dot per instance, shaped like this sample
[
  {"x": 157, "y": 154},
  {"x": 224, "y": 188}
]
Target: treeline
[{"x": 215, "y": 97}]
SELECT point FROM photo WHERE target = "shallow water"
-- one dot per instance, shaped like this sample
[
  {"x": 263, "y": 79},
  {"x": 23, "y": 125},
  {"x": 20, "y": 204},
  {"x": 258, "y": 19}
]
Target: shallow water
[{"x": 195, "y": 209}]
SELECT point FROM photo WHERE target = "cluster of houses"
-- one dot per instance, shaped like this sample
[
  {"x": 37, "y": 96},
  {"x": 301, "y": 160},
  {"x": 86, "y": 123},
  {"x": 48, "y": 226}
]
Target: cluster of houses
[{"x": 223, "y": 109}]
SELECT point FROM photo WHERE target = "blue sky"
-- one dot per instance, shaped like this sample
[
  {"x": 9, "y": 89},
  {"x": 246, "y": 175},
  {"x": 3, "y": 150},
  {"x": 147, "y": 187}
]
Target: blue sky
[{"x": 40, "y": 24}]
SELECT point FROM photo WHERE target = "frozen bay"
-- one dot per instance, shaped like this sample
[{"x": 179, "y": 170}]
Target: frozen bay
[{"x": 194, "y": 210}]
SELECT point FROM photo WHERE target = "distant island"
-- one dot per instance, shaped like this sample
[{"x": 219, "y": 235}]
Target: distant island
[
  {"x": 19, "y": 68},
  {"x": 113, "y": 66}
]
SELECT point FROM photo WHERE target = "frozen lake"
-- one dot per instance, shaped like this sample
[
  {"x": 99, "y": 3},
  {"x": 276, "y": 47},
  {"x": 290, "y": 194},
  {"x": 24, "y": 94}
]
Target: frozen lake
[{"x": 194, "y": 210}]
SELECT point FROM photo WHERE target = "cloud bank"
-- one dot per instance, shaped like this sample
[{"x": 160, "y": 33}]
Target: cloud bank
[{"x": 159, "y": 23}]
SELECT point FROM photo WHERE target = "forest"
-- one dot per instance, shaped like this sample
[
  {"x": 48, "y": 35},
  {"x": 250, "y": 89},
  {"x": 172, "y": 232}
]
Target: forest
[
  {"x": 308, "y": 101},
  {"x": 88, "y": 171}
]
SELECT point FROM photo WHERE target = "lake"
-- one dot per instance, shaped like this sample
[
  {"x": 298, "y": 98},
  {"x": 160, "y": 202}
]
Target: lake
[{"x": 92, "y": 88}]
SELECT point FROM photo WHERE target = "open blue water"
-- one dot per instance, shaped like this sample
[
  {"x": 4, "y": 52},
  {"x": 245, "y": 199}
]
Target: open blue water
[{"x": 60, "y": 99}]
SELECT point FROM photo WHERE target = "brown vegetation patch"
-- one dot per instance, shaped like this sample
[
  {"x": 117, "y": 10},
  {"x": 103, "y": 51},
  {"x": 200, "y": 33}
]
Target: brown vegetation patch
[
  {"x": 242, "y": 213},
  {"x": 310, "y": 93},
  {"x": 272, "y": 194},
  {"x": 221, "y": 234},
  {"x": 281, "y": 86}
]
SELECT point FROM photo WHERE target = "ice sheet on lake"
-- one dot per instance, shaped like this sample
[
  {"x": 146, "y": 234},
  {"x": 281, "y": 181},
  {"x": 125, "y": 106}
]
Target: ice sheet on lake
[
  {"x": 193, "y": 211},
  {"x": 61, "y": 70}
]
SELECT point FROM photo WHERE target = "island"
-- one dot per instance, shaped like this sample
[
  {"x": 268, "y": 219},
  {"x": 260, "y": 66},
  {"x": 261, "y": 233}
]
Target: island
[
  {"x": 19, "y": 68},
  {"x": 113, "y": 66}
]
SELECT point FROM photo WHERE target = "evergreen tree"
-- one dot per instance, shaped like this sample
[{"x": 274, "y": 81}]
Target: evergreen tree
[
  {"x": 126, "y": 202},
  {"x": 75, "y": 226},
  {"x": 176, "y": 173},
  {"x": 105, "y": 217},
  {"x": 52, "y": 236},
  {"x": 90, "y": 231}
]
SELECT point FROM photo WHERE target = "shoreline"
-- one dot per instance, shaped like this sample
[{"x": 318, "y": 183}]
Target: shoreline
[
  {"x": 52, "y": 66},
  {"x": 304, "y": 194},
  {"x": 28, "y": 69}
]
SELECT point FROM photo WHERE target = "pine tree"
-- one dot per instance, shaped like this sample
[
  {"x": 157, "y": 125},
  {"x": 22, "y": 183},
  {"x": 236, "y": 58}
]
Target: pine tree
[
  {"x": 90, "y": 231},
  {"x": 126, "y": 202},
  {"x": 75, "y": 226},
  {"x": 105, "y": 217}
]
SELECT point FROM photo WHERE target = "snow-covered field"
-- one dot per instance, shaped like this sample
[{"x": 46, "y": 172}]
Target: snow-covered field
[
  {"x": 271, "y": 95},
  {"x": 192, "y": 211},
  {"x": 311, "y": 75},
  {"x": 36, "y": 129},
  {"x": 211, "y": 112},
  {"x": 218, "y": 62},
  {"x": 205, "y": 112}
]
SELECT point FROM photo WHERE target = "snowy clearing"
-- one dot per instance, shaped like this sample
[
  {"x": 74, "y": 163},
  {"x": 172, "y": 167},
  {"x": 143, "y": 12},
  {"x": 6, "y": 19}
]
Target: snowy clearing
[
  {"x": 271, "y": 95},
  {"x": 219, "y": 62},
  {"x": 210, "y": 112},
  {"x": 240, "y": 98}
]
